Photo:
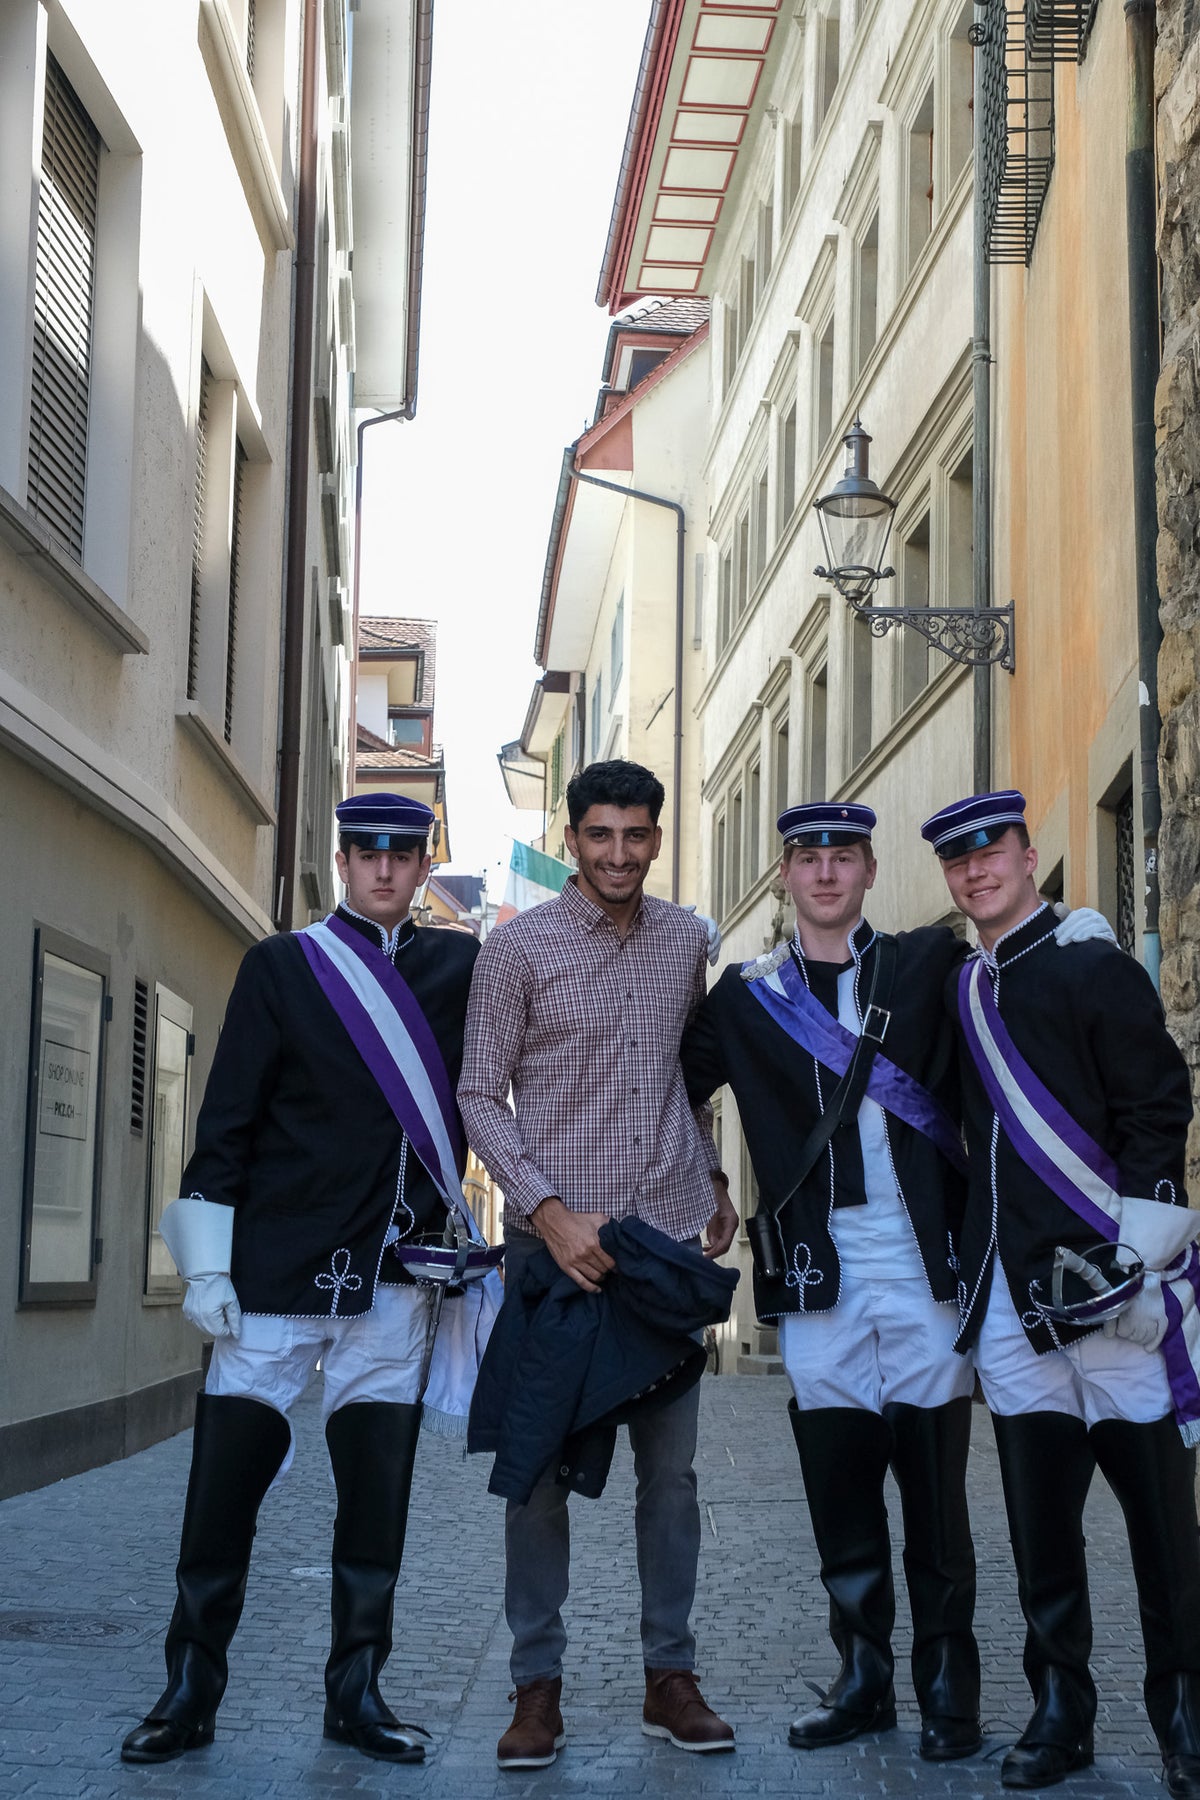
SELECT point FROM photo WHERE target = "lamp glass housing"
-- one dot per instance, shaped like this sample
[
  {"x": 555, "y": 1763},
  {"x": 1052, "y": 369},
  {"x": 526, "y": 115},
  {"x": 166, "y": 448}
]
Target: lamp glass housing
[{"x": 856, "y": 522}]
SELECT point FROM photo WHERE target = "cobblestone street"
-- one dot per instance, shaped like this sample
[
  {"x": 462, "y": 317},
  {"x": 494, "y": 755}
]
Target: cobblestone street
[{"x": 89, "y": 1587}]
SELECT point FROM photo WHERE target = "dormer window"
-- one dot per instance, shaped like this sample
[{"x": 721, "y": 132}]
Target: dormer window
[{"x": 635, "y": 363}]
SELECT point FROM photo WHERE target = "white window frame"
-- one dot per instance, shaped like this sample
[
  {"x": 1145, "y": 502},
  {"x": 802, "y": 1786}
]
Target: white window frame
[{"x": 167, "y": 1136}]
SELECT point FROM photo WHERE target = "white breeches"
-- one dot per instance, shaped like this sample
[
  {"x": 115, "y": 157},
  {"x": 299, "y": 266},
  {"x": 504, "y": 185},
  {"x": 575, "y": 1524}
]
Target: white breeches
[
  {"x": 1097, "y": 1378},
  {"x": 376, "y": 1356},
  {"x": 887, "y": 1340}
]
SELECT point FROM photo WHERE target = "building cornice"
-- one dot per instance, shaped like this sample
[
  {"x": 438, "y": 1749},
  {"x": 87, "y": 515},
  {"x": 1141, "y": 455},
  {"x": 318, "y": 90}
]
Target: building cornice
[{"x": 39, "y": 735}]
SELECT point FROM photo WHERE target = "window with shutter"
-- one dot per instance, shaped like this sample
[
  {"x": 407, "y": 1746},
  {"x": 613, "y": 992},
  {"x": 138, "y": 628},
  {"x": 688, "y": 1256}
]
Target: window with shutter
[{"x": 64, "y": 279}]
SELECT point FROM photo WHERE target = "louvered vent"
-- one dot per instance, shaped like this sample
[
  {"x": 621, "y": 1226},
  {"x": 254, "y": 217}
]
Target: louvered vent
[{"x": 137, "y": 1079}]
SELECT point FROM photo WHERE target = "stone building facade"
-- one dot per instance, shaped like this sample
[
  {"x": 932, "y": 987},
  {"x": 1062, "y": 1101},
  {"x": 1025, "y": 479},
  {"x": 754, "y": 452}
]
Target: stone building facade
[{"x": 1177, "y": 417}]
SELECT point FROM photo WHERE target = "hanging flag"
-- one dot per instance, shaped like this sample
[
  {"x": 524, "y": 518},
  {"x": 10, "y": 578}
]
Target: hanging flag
[{"x": 532, "y": 877}]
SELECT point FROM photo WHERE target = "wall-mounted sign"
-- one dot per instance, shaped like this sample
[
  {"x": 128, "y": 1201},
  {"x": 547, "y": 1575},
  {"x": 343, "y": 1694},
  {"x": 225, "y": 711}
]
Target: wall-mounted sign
[
  {"x": 62, "y": 1136},
  {"x": 64, "y": 1091}
]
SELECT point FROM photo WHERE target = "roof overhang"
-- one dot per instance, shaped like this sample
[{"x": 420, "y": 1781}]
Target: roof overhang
[
  {"x": 579, "y": 555},
  {"x": 549, "y": 704},
  {"x": 389, "y": 121},
  {"x": 524, "y": 777},
  {"x": 701, "y": 86}
]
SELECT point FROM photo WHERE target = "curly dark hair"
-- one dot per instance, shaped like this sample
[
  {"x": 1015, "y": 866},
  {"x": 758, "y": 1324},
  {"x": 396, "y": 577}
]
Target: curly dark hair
[{"x": 616, "y": 783}]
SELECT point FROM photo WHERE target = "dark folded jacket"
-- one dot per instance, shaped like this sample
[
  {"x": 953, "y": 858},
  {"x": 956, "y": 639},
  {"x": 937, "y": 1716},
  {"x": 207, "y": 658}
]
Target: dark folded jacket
[{"x": 564, "y": 1368}]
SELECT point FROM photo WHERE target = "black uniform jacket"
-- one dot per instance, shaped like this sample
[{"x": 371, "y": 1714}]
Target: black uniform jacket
[
  {"x": 781, "y": 1090},
  {"x": 563, "y": 1368},
  {"x": 1088, "y": 1022},
  {"x": 295, "y": 1134}
]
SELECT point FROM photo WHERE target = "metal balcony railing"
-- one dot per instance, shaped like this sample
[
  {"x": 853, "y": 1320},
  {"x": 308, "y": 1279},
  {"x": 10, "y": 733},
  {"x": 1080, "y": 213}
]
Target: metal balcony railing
[
  {"x": 1058, "y": 30},
  {"x": 1016, "y": 135}
]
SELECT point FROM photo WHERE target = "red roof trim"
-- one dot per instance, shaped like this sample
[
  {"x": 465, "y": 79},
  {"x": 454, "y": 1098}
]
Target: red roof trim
[
  {"x": 661, "y": 370},
  {"x": 657, "y": 58}
]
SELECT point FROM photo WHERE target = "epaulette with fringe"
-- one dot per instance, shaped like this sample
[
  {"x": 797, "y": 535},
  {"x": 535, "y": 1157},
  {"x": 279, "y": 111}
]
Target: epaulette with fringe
[{"x": 765, "y": 965}]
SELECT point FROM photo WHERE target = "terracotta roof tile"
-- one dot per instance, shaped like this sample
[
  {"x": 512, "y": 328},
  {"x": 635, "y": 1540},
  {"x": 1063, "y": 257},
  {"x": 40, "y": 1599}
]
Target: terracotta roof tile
[
  {"x": 377, "y": 634},
  {"x": 680, "y": 316},
  {"x": 397, "y": 756},
  {"x": 371, "y": 740}
]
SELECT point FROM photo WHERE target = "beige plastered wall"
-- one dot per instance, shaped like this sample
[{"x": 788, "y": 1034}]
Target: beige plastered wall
[{"x": 1066, "y": 723}]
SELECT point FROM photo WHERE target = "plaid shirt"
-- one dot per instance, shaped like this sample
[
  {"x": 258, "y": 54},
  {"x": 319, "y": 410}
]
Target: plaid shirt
[{"x": 585, "y": 1025}]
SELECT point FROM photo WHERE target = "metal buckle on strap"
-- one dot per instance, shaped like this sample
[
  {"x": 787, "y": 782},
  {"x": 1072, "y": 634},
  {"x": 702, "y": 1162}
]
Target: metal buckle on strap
[{"x": 875, "y": 1023}]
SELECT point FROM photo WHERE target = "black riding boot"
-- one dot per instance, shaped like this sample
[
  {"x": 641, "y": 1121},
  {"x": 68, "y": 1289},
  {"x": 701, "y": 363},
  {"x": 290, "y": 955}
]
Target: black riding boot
[
  {"x": 1047, "y": 1463},
  {"x": 237, "y": 1448},
  {"x": 844, "y": 1456},
  {"x": 372, "y": 1446},
  {"x": 1153, "y": 1476},
  {"x": 929, "y": 1460}
]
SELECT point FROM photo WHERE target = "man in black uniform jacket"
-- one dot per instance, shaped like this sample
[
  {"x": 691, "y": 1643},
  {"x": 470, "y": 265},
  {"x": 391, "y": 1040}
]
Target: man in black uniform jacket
[
  {"x": 303, "y": 1190},
  {"x": 865, "y": 1297},
  {"x": 1076, "y": 1104}
]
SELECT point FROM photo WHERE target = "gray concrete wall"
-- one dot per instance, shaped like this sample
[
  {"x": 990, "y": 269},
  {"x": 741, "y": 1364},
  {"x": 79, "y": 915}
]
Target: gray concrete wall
[{"x": 119, "y": 1370}]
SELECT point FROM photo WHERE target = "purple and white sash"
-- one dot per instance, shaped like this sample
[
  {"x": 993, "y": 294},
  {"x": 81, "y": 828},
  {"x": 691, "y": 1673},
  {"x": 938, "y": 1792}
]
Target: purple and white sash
[
  {"x": 785, "y": 996},
  {"x": 1072, "y": 1165},
  {"x": 393, "y": 1037}
]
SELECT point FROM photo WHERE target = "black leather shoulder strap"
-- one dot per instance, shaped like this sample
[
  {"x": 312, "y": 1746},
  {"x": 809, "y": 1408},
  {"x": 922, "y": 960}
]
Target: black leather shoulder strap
[{"x": 846, "y": 1098}]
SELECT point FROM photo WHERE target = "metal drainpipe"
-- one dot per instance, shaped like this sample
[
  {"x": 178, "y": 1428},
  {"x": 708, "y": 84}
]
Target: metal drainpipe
[
  {"x": 677, "y": 774},
  {"x": 297, "y": 523},
  {"x": 981, "y": 457},
  {"x": 301, "y": 410},
  {"x": 422, "y": 65},
  {"x": 404, "y": 411},
  {"x": 1144, "y": 359}
]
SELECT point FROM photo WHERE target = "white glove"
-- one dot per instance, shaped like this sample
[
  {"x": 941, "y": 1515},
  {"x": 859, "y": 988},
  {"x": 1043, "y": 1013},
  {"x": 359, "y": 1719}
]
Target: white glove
[
  {"x": 714, "y": 934},
  {"x": 199, "y": 1235},
  {"x": 211, "y": 1305},
  {"x": 1080, "y": 924},
  {"x": 1144, "y": 1320}
]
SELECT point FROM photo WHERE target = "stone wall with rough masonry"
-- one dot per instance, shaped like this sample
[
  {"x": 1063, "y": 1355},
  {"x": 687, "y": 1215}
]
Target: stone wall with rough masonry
[{"x": 1177, "y": 85}]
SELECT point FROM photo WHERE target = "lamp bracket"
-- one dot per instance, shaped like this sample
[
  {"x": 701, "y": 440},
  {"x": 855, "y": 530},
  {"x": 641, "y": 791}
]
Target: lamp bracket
[{"x": 976, "y": 636}]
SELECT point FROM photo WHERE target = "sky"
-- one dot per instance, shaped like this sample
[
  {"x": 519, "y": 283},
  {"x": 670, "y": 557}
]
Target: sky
[{"x": 529, "y": 107}]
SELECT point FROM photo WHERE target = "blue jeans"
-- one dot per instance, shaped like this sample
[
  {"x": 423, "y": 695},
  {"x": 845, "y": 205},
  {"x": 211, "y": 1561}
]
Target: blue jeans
[{"x": 537, "y": 1540}]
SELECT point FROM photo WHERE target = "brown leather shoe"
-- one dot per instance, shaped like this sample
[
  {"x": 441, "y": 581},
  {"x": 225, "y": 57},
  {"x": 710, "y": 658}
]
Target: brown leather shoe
[
  {"x": 536, "y": 1734},
  {"x": 676, "y": 1709}
]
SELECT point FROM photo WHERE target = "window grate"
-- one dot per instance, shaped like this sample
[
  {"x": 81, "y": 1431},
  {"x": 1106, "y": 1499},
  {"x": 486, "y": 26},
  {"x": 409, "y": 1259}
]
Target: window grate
[
  {"x": 1126, "y": 920},
  {"x": 137, "y": 1081},
  {"x": 64, "y": 283},
  {"x": 193, "y": 669},
  {"x": 1016, "y": 138}
]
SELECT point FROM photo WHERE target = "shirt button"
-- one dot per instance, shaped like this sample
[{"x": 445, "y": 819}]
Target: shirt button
[{"x": 637, "y": 1140}]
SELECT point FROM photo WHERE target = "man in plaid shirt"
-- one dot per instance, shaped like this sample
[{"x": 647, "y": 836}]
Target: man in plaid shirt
[{"x": 579, "y": 1006}]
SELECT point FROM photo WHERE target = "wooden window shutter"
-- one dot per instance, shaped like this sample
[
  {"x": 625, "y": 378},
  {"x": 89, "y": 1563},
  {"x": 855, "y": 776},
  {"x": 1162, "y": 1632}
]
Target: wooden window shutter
[{"x": 64, "y": 280}]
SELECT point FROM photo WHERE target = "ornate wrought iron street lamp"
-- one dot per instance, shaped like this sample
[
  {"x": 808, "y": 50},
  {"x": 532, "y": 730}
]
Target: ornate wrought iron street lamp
[{"x": 856, "y": 522}]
